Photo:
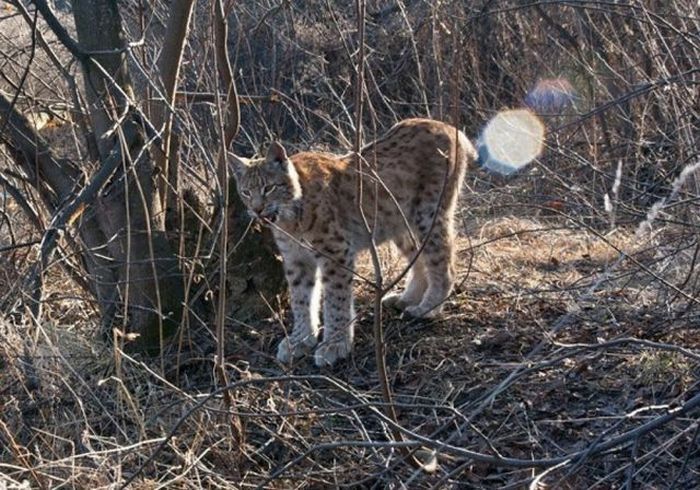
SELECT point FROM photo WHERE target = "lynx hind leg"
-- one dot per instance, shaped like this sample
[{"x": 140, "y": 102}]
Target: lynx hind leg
[
  {"x": 416, "y": 280},
  {"x": 305, "y": 294},
  {"x": 438, "y": 260}
]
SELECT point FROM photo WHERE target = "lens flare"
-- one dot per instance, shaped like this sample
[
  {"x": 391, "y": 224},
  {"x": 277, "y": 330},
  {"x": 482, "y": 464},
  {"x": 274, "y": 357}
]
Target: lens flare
[
  {"x": 551, "y": 96},
  {"x": 511, "y": 140}
]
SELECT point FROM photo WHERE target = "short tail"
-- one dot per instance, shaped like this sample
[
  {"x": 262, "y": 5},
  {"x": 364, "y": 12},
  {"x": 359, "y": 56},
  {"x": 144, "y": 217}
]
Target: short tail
[
  {"x": 471, "y": 154},
  {"x": 482, "y": 155}
]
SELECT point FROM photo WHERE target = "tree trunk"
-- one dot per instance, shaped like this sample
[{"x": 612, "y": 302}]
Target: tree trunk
[
  {"x": 149, "y": 280},
  {"x": 169, "y": 63},
  {"x": 114, "y": 202},
  {"x": 255, "y": 276}
]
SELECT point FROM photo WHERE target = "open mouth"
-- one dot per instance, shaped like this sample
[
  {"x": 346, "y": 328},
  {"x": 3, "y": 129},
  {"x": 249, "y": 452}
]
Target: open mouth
[{"x": 268, "y": 217}]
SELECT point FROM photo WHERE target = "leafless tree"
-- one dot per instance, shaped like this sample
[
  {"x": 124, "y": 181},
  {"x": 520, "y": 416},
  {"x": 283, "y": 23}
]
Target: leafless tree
[
  {"x": 114, "y": 203},
  {"x": 569, "y": 354}
]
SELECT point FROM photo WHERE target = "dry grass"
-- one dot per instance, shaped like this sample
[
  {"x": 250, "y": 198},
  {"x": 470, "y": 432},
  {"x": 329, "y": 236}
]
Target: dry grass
[
  {"x": 76, "y": 414},
  {"x": 559, "y": 338}
]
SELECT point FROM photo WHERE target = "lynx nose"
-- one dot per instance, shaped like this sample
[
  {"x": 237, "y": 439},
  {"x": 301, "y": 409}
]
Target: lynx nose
[{"x": 257, "y": 206}]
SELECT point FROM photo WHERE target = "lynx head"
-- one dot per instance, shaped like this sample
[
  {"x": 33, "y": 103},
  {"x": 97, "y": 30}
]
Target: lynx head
[{"x": 269, "y": 187}]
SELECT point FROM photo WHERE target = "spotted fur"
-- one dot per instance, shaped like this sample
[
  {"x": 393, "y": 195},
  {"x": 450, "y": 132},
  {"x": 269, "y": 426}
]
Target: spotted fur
[{"x": 410, "y": 183}]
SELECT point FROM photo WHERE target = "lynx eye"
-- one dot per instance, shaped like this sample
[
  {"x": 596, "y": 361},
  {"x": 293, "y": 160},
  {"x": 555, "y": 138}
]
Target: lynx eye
[
  {"x": 245, "y": 193},
  {"x": 268, "y": 189}
]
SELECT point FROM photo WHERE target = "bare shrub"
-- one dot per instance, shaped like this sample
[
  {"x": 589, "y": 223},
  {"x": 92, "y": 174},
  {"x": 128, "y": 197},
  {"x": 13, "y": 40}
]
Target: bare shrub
[{"x": 568, "y": 356}]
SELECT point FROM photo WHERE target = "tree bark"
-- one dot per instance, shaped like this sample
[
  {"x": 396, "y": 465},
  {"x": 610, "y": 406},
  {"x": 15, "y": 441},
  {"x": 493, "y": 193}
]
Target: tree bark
[
  {"x": 114, "y": 203},
  {"x": 150, "y": 283},
  {"x": 169, "y": 63}
]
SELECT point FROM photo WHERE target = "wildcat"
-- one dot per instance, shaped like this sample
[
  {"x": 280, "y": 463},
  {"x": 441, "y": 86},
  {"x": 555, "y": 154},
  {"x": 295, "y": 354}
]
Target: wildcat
[{"x": 411, "y": 179}]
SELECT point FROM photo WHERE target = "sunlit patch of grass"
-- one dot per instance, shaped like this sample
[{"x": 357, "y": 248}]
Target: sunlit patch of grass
[{"x": 661, "y": 367}]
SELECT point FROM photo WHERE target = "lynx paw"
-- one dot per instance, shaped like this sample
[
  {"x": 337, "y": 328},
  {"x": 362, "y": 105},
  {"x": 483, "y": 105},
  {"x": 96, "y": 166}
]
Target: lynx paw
[
  {"x": 394, "y": 300},
  {"x": 331, "y": 350},
  {"x": 290, "y": 348},
  {"x": 420, "y": 311}
]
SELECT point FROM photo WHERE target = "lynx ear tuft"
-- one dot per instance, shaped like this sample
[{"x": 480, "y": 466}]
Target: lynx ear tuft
[
  {"x": 276, "y": 153},
  {"x": 237, "y": 165}
]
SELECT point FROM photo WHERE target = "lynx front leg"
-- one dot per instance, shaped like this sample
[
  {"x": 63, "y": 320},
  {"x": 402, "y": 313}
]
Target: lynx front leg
[
  {"x": 338, "y": 310},
  {"x": 305, "y": 289}
]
